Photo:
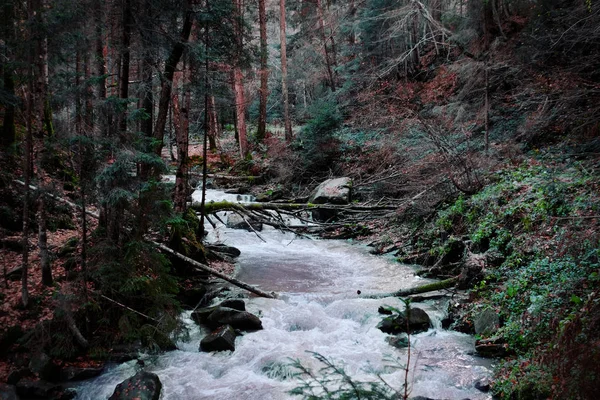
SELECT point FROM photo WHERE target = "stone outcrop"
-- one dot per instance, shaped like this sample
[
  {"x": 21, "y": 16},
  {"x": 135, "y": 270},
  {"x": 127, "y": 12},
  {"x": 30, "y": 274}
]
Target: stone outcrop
[
  {"x": 235, "y": 221},
  {"x": 418, "y": 321},
  {"x": 222, "y": 339},
  {"x": 141, "y": 386},
  {"x": 334, "y": 191}
]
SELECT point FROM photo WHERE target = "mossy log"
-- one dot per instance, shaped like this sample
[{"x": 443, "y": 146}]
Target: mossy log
[
  {"x": 213, "y": 207},
  {"x": 428, "y": 287}
]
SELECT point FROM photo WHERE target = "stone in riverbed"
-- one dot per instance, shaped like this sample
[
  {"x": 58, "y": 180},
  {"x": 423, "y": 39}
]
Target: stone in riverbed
[
  {"x": 141, "y": 386},
  {"x": 418, "y": 321},
  {"x": 221, "y": 339},
  {"x": 334, "y": 191},
  {"x": 235, "y": 221},
  {"x": 242, "y": 320},
  {"x": 236, "y": 304}
]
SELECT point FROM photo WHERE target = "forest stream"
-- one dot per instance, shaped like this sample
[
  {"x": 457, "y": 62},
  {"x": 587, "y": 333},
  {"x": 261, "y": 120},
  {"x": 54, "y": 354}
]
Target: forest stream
[{"x": 318, "y": 310}]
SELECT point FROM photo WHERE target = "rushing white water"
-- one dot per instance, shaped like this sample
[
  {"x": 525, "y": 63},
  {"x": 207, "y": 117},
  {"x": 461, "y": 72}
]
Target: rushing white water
[{"x": 319, "y": 311}]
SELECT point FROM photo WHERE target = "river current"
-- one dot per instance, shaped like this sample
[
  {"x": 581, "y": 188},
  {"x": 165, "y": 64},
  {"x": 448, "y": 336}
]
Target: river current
[{"x": 318, "y": 311}]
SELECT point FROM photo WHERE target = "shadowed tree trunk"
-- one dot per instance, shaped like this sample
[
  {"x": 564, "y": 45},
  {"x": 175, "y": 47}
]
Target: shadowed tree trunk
[
  {"x": 264, "y": 72},
  {"x": 238, "y": 83},
  {"x": 284, "y": 89},
  {"x": 125, "y": 64},
  {"x": 43, "y": 242},
  {"x": 167, "y": 78},
  {"x": 181, "y": 125},
  {"x": 213, "y": 124},
  {"x": 328, "y": 61},
  {"x": 8, "y": 126}
]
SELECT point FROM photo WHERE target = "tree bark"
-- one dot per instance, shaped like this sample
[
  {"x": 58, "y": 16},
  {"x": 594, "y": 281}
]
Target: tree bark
[
  {"x": 213, "y": 124},
  {"x": 181, "y": 135},
  {"x": 125, "y": 64},
  {"x": 43, "y": 243},
  {"x": 238, "y": 83},
  {"x": 328, "y": 62},
  {"x": 8, "y": 126},
  {"x": 264, "y": 72},
  {"x": 167, "y": 78},
  {"x": 240, "y": 111},
  {"x": 284, "y": 89}
]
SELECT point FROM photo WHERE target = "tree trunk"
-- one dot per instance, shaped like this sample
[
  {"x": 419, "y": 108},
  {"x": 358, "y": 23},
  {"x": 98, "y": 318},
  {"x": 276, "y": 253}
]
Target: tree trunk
[
  {"x": 181, "y": 134},
  {"x": 284, "y": 88},
  {"x": 8, "y": 127},
  {"x": 43, "y": 243},
  {"x": 328, "y": 62},
  {"x": 167, "y": 79},
  {"x": 100, "y": 69},
  {"x": 264, "y": 73},
  {"x": 125, "y": 64},
  {"x": 238, "y": 82},
  {"x": 240, "y": 111},
  {"x": 213, "y": 124}
]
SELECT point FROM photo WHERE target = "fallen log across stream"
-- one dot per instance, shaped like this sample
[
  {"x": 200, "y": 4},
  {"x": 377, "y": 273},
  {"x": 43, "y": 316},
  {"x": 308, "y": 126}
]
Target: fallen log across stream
[
  {"x": 428, "y": 287},
  {"x": 195, "y": 264}
]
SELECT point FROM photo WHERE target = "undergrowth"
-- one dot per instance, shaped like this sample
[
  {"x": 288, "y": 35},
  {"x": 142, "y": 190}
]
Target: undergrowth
[{"x": 539, "y": 220}]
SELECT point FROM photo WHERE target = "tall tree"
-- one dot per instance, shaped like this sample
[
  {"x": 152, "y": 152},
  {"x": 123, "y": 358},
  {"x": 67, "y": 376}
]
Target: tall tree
[
  {"x": 329, "y": 63},
  {"x": 264, "y": 72},
  {"x": 238, "y": 81},
  {"x": 167, "y": 77},
  {"x": 125, "y": 63},
  {"x": 9, "y": 100},
  {"x": 284, "y": 89}
]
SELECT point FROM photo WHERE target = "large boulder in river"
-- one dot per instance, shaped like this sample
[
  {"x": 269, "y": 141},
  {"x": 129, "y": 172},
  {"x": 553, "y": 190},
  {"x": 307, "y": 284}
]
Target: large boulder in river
[
  {"x": 334, "y": 191},
  {"x": 141, "y": 386},
  {"x": 235, "y": 221},
  {"x": 242, "y": 320},
  {"x": 418, "y": 321},
  {"x": 221, "y": 339}
]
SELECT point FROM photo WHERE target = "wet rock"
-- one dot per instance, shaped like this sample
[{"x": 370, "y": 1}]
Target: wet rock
[
  {"x": 483, "y": 385},
  {"x": 384, "y": 310},
  {"x": 472, "y": 271},
  {"x": 8, "y": 392},
  {"x": 221, "y": 339},
  {"x": 39, "y": 389},
  {"x": 398, "y": 341},
  {"x": 78, "y": 374},
  {"x": 418, "y": 321},
  {"x": 334, "y": 191},
  {"x": 41, "y": 364},
  {"x": 141, "y": 386},
  {"x": 492, "y": 348},
  {"x": 242, "y": 320},
  {"x": 200, "y": 316},
  {"x": 224, "y": 249},
  {"x": 235, "y": 221},
  {"x": 236, "y": 304},
  {"x": 486, "y": 322}
]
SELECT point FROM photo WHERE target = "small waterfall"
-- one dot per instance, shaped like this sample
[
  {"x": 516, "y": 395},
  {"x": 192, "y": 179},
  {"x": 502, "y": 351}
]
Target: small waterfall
[{"x": 318, "y": 311}]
